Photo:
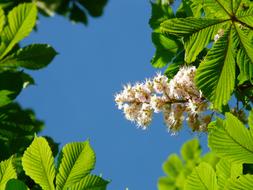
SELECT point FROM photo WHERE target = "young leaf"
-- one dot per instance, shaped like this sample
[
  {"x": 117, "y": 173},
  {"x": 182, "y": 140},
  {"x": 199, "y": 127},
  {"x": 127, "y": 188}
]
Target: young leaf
[
  {"x": 191, "y": 150},
  {"x": 202, "y": 177},
  {"x": 90, "y": 182},
  {"x": 215, "y": 76},
  {"x": 78, "y": 159},
  {"x": 38, "y": 163},
  {"x": 33, "y": 57},
  {"x": 15, "y": 184},
  {"x": 21, "y": 21},
  {"x": 193, "y": 30},
  {"x": 7, "y": 172},
  {"x": 233, "y": 134},
  {"x": 173, "y": 166}
]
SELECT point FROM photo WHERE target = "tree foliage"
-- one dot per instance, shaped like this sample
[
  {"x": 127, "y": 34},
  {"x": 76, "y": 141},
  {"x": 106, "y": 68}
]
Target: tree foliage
[
  {"x": 34, "y": 167},
  {"x": 216, "y": 37}
]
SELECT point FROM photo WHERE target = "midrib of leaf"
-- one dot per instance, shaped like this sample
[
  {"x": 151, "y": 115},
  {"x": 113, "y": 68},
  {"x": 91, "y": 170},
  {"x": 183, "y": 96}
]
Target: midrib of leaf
[
  {"x": 64, "y": 186},
  {"x": 201, "y": 180},
  {"x": 13, "y": 41},
  {"x": 44, "y": 170}
]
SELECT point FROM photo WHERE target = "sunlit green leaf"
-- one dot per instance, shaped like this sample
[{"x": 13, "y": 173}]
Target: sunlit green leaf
[
  {"x": 38, "y": 163},
  {"x": 7, "y": 172},
  {"x": 78, "y": 159},
  {"x": 233, "y": 134},
  {"x": 216, "y": 74},
  {"x": 193, "y": 30},
  {"x": 18, "y": 29},
  {"x": 202, "y": 177}
]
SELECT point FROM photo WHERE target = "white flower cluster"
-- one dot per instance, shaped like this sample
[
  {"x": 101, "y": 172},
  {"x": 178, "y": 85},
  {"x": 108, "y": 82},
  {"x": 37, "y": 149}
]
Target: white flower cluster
[{"x": 177, "y": 99}]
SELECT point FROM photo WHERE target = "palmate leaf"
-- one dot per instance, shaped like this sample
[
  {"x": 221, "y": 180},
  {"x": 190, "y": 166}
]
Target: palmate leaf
[
  {"x": 231, "y": 140},
  {"x": 7, "y": 172},
  {"x": 15, "y": 184},
  {"x": 21, "y": 21},
  {"x": 34, "y": 57},
  {"x": 203, "y": 177},
  {"x": 193, "y": 30},
  {"x": 77, "y": 161},
  {"x": 90, "y": 182},
  {"x": 38, "y": 163},
  {"x": 216, "y": 74}
]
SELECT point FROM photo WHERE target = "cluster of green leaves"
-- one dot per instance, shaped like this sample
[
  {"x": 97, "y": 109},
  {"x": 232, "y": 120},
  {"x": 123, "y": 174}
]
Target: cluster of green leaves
[
  {"x": 75, "y": 163},
  {"x": 178, "y": 168},
  {"x": 18, "y": 126},
  {"x": 74, "y": 10},
  {"x": 231, "y": 142},
  {"x": 187, "y": 36}
]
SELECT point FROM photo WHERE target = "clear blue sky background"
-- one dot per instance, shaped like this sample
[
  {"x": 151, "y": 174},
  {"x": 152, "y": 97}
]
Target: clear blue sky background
[{"x": 75, "y": 94}]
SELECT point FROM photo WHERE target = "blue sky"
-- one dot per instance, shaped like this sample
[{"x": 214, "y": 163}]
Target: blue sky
[{"x": 74, "y": 95}]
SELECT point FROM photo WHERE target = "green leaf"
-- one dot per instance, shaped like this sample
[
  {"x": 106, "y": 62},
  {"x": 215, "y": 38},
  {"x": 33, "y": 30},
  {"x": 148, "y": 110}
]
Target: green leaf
[
  {"x": 215, "y": 76},
  {"x": 90, "y": 182},
  {"x": 223, "y": 171},
  {"x": 244, "y": 182},
  {"x": 78, "y": 159},
  {"x": 233, "y": 134},
  {"x": 15, "y": 184},
  {"x": 165, "y": 183},
  {"x": 78, "y": 15},
  {"x": 38, "y": 163},
  {"x": 191, "y": 150},
  {"x": 166, "y": 48},
  {"x": 203, "y": 177},
  {"x": 11, "y": 84},
  {"x": 95, "y": 7},
  {"x": 193, "y": 7},
  {"x": 193, "y": 30},
  {"x": 226, "y": 170},
  {"x": 173, "y": 166},
  {"x": 211, "y": 159},
  {"x": 7, "y": 172},
  {"x": 244, "y": 55},
  {"x": 32, "y": 57},
  {"x": 2, "y": 20},
  {"x": 246, "y": 16},
  {"x": 21, "y": 21},
  {"x": 160, "y": 12},
  {"x": 220, "y": 9}
]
